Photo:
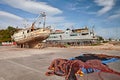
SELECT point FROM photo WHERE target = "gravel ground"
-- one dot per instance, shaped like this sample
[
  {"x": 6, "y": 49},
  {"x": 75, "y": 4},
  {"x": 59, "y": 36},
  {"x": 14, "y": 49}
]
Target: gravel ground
[{"x": 31, "y": 64}]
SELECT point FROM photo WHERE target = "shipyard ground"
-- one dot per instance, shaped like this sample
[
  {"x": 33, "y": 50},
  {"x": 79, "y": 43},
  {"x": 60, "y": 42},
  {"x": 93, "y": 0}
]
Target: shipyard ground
[{"x": 31, "y": 64}]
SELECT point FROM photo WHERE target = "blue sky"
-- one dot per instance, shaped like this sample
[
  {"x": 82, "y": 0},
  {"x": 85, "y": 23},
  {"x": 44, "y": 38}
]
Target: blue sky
[{"x": 104, "y": 15}]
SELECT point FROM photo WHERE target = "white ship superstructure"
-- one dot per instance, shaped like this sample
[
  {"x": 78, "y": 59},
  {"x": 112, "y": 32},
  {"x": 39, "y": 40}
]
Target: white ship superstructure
[{"x": 72, "y": 36}]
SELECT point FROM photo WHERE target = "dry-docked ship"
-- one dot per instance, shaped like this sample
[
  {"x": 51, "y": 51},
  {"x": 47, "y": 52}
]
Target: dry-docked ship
[
  {"x": 30, "y": 37},
  {"x": 73, "y": 37}
]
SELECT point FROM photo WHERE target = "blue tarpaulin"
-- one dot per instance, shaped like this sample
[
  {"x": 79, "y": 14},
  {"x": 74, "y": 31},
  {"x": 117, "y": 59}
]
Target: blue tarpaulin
[{"x": 90, "y": 70}]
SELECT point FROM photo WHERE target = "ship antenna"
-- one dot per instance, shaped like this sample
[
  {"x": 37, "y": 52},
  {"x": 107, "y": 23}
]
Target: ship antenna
[
  {"x": 44, "y": 18},
  {"x": 93, "y": 30},
  {"x": 72, "y": 27},
  {"x": 38, "y": 18},
  {"x": 25, "y": 23}
]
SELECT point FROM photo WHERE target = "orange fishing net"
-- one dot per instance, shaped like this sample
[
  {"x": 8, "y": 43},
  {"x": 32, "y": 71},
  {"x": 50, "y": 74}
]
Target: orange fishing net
[{"x": 69, "y": 68}]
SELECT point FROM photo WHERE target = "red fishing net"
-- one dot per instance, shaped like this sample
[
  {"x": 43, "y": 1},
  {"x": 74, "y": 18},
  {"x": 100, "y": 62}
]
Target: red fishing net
[{"x": 69, "y": 68}]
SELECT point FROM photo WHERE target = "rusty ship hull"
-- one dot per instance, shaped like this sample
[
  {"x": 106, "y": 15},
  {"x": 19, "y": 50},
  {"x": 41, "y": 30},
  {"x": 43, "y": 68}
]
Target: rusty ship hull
[{"x": 29, "y": 38}]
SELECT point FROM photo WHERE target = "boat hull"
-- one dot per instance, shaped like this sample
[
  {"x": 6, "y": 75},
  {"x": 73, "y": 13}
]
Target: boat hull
[
  {"x": 33, "y": 37},
  {"x": 38, "y": 38}
]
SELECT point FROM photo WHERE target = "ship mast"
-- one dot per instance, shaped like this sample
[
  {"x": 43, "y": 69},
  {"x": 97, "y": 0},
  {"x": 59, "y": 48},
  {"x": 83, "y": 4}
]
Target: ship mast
[
  {"x": 42, "y": 15},
  {"x": 44, "y": 18},
  {"x": 93, "y": 30}
]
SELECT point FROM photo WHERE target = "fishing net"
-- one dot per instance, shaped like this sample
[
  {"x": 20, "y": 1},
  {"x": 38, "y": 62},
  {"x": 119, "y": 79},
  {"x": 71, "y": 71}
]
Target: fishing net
[{"x": 71, "y": 68}]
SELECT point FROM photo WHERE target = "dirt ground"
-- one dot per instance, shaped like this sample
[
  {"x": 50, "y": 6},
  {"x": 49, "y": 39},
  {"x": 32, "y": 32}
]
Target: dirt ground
[
  {"x": 105, "y": 46},
  {"x": 31, "y": 64}
]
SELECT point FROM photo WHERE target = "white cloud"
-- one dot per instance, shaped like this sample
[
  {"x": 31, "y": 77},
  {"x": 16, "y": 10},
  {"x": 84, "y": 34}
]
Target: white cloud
[
  {"x": 91, "y": 12},
  {"x": 55, "y": 19},
  {"x": 9, "y": 15},
  {"x": 77, "y": 7},
  {"x": 107, "y": 5},
  {"x": 8, "y": 19},
  {"x": 112, "y": 32},
  {"x": 72, "y": 6},
  {"x": 116, "y": 15},
  {"x": 65, "y": 25},
  {"x": 32, "y": 6}
]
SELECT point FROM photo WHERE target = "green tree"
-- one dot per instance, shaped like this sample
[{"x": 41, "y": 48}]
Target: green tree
[
  {"x": 5, "y": 34},
  {"x": 100, "y": 38},
  {"x": 110, "y": 39}
]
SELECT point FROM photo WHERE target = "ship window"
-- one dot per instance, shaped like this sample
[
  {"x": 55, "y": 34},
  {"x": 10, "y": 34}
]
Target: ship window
[
  {"x": 31, "y": 29},
  {"x": 73, "y": 34},
  {"x": 53, "y": 37},
  {"x": 27, "y": 31},
  {"x": 60, "y": 36},
  {"x": 84, "y": 33},
  {"x": 66, "y": 32}
]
